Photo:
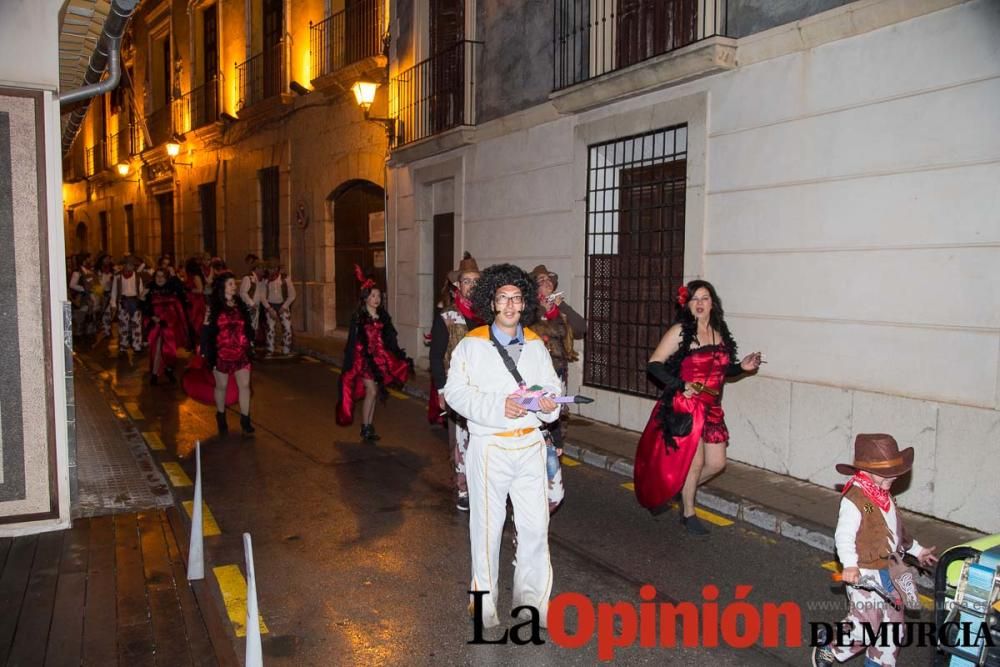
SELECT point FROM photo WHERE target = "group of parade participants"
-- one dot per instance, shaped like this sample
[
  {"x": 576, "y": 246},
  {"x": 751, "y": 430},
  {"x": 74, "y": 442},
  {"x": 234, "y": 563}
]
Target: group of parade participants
[
  {"x": 500, "y": 346},
  {"x": 200, "y": 307}
]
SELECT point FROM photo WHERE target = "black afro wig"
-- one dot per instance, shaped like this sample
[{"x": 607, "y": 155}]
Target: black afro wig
[{"x": 495, "y": 277}]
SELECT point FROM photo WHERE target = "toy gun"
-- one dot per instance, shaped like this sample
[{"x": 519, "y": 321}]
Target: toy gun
[
  {"x": 529, "y": 397},
  {"x": 870, "y": 583},
  {"x": 699, "y": 387}
]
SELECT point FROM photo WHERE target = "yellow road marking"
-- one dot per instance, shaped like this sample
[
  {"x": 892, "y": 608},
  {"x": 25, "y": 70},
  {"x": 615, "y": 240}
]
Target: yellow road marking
[
  {"x": 569, "y": 462},
  {"x": 308, "y": 359},
  {"x": 133, "y": 410},
  {"x": 831, "y": 565},
  {"x": 153, "y": 440},
  {"x": 176, "y": 474},
  {"x": 334, "y": 369},
  {"x": 209, "y": 527},
  {"x": 398, "y": 394},
  {"x": 234, "y": 593},
  {"x": 712, "y": 517}
]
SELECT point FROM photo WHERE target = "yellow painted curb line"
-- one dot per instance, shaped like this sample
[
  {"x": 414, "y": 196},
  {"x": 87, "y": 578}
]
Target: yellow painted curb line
[
  {"x": 334, "y": 369},
  {"x": 234, "y": 593},
  {"x": 209, "y": 527},
  {"x": 311, "y": 360},
  {"x": 711, "y": 517},
  {"x": 153, "y": 440},
  {"x": 133, "y": 411},
  {"x": 176, "y": 474},
  {"x": 831, "y": 565},
  {"x": 398, "y": 394},
  {"x": 569, "y": 462}
]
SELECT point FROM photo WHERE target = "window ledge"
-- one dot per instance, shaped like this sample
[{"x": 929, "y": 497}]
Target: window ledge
[
  {"x": 701, "y": 59},
  {"x": 456, "y": 137},
  {"x": 342, "y": 79}
]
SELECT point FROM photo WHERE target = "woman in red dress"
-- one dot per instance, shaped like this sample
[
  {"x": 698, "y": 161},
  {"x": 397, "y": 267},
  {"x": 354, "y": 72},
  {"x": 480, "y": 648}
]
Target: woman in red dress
[
  {"x": 373, "y": 359},
  {"x": 227, "y": 345},
  {"x": 194, "y": 283},
  {"x": 684, "y": 443},
  {"x": 167, "y": 327}
]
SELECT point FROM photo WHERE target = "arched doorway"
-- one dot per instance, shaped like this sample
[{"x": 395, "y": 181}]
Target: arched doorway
[{"x": 359, "y": 238}]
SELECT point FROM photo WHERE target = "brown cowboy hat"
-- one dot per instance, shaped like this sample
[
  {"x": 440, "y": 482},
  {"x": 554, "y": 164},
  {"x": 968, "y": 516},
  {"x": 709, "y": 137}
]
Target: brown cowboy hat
[
  {"x": 878, "y": 453},
  {"x": 540, "y": 269},
  {"x": 467, "y": 265}
]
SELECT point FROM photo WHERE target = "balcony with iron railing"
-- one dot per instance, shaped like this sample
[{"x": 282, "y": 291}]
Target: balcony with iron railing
[
  {"x": 263, "y": 76},
  {"x": 612, "y": 39},
  {"x": 136, "y": 142},
  {"x": 436, "y": 94},
  {"x": 159, "y": 125},
  {"x": 347, "y": 37},
  {"x": 198, "y": 107},
  {"x": 96, "y": 158}
]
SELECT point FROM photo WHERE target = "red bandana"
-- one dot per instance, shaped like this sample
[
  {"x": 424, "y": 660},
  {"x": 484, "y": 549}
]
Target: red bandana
[
  {"x": 872, "y": 491},
  {"x": 552, "y": 313},
  {"x": 464, "y": 306}
]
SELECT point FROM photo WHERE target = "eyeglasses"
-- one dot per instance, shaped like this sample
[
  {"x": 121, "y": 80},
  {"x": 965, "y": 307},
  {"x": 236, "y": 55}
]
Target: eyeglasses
[{"x": 516, "y": 299}]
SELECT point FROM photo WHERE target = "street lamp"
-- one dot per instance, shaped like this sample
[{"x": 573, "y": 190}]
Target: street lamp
[
  {"x": 173, "y": 149},
  {"x": 364, "y": 93},
  {"x": 123, "y": 168}
]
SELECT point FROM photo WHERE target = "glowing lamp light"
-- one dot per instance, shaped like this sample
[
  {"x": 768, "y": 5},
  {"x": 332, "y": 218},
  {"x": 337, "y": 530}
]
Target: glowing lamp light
[
  {"x": 364, "y": 93},
  {"x": 173, "y": 150},
  {"x": 123, "y": 168}
]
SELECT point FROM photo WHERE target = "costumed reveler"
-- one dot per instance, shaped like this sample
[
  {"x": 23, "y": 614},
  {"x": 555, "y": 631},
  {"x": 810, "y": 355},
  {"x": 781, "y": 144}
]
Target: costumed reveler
[
  {"x": 226, "y": 351},
  {"x": 684, "y": 442},
  {"x": 165, "y": 308},
  {"x": 106, "y": 276},
  {"x": 127, "y": 290},
  {"x": 373, "y": 359},
  {"x": 194, "y": 284},
  {"x": 456, "y": 318}
]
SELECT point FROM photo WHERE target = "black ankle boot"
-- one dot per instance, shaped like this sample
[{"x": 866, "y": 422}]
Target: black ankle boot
[
  {"x": 368, "y": 433},
  {"x": 245, "y": 424},
  {"x": 220, "y": 420}
]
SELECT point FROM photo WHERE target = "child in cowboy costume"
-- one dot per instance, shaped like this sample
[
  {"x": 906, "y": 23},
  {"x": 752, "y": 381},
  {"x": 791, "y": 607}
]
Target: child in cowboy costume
[{"x": 871, "y": 541}]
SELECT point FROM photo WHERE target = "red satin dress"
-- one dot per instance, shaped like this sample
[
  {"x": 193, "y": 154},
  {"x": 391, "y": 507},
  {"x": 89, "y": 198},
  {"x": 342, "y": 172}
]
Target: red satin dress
[
  {"x": 172, "y": 328},
  {"x": 393, "y": 371},
  {"x": 232, "y": 354},
  {"x": 659, "y": 472}
]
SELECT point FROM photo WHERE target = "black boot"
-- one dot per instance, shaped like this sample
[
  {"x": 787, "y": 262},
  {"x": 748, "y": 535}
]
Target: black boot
[
  {"x": 169, "y": 372},
  {"x": 245, "y": 424},
  {"x": 220, "y": 420},
  {"x": 368, "y": 433}
]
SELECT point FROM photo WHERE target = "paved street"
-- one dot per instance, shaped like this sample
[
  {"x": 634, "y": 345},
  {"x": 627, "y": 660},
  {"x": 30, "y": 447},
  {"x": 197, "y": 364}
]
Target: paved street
[{"x": 361, "y": 557}]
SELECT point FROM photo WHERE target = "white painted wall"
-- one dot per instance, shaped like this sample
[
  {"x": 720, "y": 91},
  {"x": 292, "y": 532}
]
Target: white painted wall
[
  {"x": 844, "y": 199},
  {"x": 29, "y": 27}
]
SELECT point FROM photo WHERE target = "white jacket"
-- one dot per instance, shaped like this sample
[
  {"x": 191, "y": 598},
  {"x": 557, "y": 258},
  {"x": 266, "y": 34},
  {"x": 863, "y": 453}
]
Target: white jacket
[{"x": 479, "y": 383}]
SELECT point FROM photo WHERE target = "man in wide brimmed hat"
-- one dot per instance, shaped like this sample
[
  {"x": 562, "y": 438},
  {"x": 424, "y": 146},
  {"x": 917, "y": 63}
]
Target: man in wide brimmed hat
[
  {"x": 871, "y": 540},
  {"x": 453, "y": 322}
]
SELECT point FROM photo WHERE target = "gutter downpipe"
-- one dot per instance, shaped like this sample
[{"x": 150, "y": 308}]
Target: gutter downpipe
[{"x": 105, "y": 55}]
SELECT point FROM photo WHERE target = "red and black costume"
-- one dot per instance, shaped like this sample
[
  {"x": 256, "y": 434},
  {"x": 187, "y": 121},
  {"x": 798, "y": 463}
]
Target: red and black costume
[
  {"x": 677, "y": 423},
  {"x": 226, "y": 346},
  {"x": 167, "y": 303},
  {"x": 372, "y": 353}
]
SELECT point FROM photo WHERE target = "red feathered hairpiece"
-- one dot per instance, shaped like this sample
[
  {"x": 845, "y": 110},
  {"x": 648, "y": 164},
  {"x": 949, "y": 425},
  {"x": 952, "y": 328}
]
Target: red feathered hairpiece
[
  {"x": 682, "y": 296},
  {"x": 366, "y": 283}
]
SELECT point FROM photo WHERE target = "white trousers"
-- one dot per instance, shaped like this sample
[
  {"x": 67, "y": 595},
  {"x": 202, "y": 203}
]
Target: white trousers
[{"x": 495, "y": 468}]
